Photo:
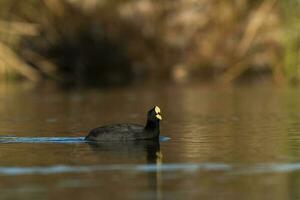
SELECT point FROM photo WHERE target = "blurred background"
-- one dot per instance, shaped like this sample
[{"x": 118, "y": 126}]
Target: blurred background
[
  {"x": 122, "y": 57},
  {"x": 119, "y": 42}
]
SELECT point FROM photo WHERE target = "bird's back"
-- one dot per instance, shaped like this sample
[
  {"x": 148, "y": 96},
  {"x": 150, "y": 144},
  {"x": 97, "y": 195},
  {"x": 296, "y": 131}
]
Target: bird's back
[{"x": 116, "y": 132}]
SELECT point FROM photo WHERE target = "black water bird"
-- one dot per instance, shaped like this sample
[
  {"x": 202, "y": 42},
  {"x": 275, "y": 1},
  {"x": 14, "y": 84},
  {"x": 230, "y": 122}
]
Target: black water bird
[{"x": 127, "y": 131}]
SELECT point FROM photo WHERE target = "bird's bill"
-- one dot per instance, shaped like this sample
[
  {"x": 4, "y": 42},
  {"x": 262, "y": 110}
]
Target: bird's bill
[{"x": 158, "y": 116}]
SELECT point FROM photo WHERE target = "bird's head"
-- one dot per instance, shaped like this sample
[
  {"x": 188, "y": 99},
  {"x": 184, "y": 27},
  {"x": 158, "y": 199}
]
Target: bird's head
[{"x": 154, "y": 114}]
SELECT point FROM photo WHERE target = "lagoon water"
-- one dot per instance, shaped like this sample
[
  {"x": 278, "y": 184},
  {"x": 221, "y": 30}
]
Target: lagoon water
[{"x": 225, "y": 143}]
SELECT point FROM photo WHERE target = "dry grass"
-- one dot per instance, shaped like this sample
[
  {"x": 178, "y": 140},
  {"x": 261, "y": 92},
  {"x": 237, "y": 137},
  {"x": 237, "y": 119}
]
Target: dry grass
[{"x": 119, "y": 41}]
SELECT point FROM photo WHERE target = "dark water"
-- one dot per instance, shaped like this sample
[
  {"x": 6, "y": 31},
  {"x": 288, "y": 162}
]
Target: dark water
[{"x": 233, "y": 143}]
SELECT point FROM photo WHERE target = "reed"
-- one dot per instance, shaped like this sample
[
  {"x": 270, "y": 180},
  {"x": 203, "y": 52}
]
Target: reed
[
  {"x": 115, "y": 42},
  {"x": 291, "y": 39}
]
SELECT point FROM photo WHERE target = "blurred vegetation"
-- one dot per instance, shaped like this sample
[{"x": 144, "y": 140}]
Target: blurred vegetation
[
  {"x": 116, "y": 42},
  {"x": 291, "y": 39}
]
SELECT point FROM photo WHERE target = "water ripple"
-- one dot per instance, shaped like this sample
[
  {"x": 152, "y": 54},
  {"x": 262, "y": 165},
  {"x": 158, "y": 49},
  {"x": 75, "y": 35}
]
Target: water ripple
[
  {"x": 41, "y": 139},
  {"x": 123, "y": 167},
  {"x": 168, "y": 167},
  {"x": 66, "y": 140}
]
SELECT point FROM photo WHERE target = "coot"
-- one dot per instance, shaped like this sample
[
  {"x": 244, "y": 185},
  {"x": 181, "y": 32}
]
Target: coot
[{"x": 127, "y": 131}]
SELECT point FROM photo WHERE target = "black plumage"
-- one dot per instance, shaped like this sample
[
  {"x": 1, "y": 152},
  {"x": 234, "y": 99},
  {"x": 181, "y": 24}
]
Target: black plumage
[{"x": 127, "y": 131}]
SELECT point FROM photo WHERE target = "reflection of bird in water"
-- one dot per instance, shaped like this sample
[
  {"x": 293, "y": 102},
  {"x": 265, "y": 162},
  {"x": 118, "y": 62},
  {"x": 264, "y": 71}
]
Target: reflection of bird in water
[
  {"x": 125, "y": 131},
  {"x": 138, "y": 149},
  {"x": 150, "y": 149}
]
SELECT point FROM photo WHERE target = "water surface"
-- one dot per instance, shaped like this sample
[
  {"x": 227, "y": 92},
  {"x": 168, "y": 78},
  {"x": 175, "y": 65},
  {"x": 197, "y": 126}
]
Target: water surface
[{"x": 226, "y": 143}]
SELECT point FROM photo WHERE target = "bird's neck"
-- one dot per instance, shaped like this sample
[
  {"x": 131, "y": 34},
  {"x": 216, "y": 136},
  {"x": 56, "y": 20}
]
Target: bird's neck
[{"x": 152, "y": 125}]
